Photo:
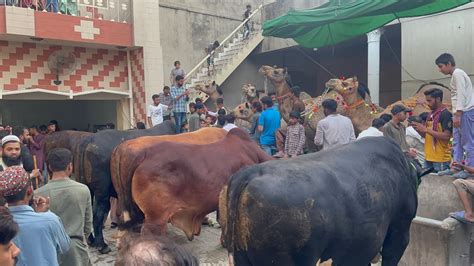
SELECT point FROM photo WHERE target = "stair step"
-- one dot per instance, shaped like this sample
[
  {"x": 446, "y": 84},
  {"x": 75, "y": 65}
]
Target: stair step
[
  {"x": 236, "y": 45},
  {"x": 231, "y": 51},
  {"x": 226, "y": 56},
  {"x": 222, "y": 61}
]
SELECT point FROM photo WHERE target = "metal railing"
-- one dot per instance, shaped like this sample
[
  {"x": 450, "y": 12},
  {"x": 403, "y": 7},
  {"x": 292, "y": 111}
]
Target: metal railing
[
  {"x": 112, "y": 10},
  {"x": 253, "y": 22}
]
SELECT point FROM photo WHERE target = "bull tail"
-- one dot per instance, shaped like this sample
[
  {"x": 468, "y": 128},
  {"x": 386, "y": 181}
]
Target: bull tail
[
  {"x": 79, "y": 160},
  {"x": 122, "y": 170},
  {"x": 236, "y": 187}
]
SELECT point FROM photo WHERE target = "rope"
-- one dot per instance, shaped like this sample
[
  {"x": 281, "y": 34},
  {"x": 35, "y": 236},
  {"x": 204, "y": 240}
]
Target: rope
[{"x": 399, "y": 61}]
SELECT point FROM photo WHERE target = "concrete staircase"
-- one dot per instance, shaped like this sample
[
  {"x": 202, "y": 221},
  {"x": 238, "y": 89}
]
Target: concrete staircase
[
  {"x": 227, "y": 57},
  {"x": 228, "y": 60}
]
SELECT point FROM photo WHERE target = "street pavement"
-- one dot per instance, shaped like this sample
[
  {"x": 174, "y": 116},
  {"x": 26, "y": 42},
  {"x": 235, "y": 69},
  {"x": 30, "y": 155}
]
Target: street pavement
[{"x": 206, "y": 247}]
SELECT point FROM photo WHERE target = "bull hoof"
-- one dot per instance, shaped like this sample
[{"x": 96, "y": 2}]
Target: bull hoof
[{"x": 105, "y": 249}]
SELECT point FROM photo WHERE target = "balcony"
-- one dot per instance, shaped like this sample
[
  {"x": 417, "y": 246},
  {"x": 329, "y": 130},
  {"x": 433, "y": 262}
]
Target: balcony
[
  {"x": 110, "y": 10},
  {"x": 98, "y": 22}
]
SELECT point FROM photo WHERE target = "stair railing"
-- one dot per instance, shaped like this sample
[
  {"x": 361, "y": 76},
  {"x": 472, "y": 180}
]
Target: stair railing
[{"x": 255, "y": 22}]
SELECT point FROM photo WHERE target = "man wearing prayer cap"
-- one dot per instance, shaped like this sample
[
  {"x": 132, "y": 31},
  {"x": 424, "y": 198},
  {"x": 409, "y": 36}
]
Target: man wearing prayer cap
[
  {"x": 42, "y": 236},
  {"x": 13, "y": 154}
]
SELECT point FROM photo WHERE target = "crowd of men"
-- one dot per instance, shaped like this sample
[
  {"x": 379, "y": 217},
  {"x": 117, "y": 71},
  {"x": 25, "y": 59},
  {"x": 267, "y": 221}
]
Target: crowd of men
[{"x": 59, "y": 214}]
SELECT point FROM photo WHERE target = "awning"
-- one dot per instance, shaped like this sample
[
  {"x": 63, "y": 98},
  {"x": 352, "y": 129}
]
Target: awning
[
  {"x": 341, "y": 20},
  {"x": 34, "y": 94},
  {"x": 44, "y": 94}
]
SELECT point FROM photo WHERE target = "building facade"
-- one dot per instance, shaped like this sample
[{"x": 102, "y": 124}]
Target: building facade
[{"x": 84, "y": 64}]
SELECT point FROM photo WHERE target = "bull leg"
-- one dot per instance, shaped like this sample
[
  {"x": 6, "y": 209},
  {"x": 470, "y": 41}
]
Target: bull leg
[
  {"x": 241, "y": 259},
  {"x": 395, "y": 244},
  {"x": 100, "y": 211}
]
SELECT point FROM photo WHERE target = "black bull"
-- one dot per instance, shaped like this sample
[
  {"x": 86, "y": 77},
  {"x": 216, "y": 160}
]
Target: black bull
[
  {"x": 347, "y": 204},
  {"x": 92, "y": 167}
]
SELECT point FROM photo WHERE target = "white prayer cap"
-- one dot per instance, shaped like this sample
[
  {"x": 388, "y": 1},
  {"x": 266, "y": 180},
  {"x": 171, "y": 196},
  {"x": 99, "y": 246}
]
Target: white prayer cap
[{"x": 10, "y": 138}]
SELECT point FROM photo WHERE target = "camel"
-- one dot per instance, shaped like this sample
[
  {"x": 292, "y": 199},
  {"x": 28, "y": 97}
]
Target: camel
[
  {"x": 243, "y": 112},
  {"x": 353, "y": 101},
  {"x": 361, "y": 110},
  {"x": 313, "y": 111}
]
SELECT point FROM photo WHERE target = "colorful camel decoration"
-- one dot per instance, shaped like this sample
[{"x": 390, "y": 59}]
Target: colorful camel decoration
[{"x": 353, "y": 101}]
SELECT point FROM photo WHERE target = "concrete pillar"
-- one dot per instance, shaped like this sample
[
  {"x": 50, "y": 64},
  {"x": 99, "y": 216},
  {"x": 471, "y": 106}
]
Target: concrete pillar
[
  {"x": 146, "y": 31},
  {"x": 373, "y": 64}
]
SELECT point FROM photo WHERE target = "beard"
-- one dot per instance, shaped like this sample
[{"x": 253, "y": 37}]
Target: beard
[{"x": 11, "y": 161}]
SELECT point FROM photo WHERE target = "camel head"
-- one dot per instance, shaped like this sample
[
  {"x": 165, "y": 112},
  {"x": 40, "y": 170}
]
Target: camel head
[
  {"x": 275, "y": 74},
  {"x": 344, "y": 86},
  {"x": 249, "y": 91},
  {"x": 243, "y": 111},
  {"x": 207, "y": 86}
]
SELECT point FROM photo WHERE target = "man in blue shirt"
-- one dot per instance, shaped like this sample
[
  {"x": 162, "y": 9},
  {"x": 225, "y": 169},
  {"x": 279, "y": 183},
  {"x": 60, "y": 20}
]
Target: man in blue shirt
[
  {"x": 42, "y": 236},
  {"x": 268, "y": 124},
  {"x": 179, "y": 93}
]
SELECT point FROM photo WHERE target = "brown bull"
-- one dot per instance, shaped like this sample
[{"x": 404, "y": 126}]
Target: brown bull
[
  {"x": 181, "y": 183},
  {"x": 130, "y": 154}
]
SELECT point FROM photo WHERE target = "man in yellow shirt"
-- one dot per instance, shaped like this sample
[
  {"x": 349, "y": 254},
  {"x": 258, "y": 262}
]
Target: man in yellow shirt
[{"x": 437, "y": 132}]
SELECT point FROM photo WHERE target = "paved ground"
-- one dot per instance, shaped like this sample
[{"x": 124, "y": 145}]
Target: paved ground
[{"x": 206, "y": 247}]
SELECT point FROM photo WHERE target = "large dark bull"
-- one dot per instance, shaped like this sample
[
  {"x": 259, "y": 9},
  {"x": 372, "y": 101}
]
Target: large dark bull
[
  {"x": 96, "y": 150},
  {"x": 347, "y": 204}
]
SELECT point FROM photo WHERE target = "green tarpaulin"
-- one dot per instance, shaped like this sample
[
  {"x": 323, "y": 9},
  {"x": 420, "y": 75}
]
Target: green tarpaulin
[{"x": 341, "y": 20}]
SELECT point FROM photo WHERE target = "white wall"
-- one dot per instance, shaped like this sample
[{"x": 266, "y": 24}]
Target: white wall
[
  {"x": 188, "y": 26},
  {"x": 424, "y": 39}
]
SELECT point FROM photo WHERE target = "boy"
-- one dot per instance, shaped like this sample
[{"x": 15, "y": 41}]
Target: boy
[
  {"x": 194, "y": 122},
  {"x": 462, "y": 97},
  {"x": 295, "y": 136},
  {"x": 155, "y": 111}
]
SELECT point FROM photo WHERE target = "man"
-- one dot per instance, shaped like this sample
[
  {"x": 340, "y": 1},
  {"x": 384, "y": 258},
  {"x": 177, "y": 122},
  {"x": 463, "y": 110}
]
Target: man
[
  {"x": 35, "y": 145},
  {"x": 155, "y": 111},
  {"x": 465, "y": 189},
  {"x": 462, "y": 97},
  {"x": 268, "y": 124},
  {"x": 56, "y": 125},
  {"x": 299, "y": 107},
  {"x": 26, "y": 158},
  {"x": 334, "y": 130},
  {"x": 437, "y": 132},
  {"x": 8, "y": 230},
  {"x": 175, "y": 72},
  {"x": 257, "y": 111},
  {"x": 71, "y": 201},
  {"x": 43, "y": 129},
  {"x": 376, "y": 130},
  {"x": 166, "y": 99},
  {"x": 274, "y": 99},
  {"x": 247, "y": 29},
  {"x": 230, "y": 119},
  {"x": 14, "y": 154},
  {"x": 397, "y": 131},
  {"x": 179, "y": 95},
  {"x": 416, "y": 140},
  {"x": 42, "y": 236}
]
